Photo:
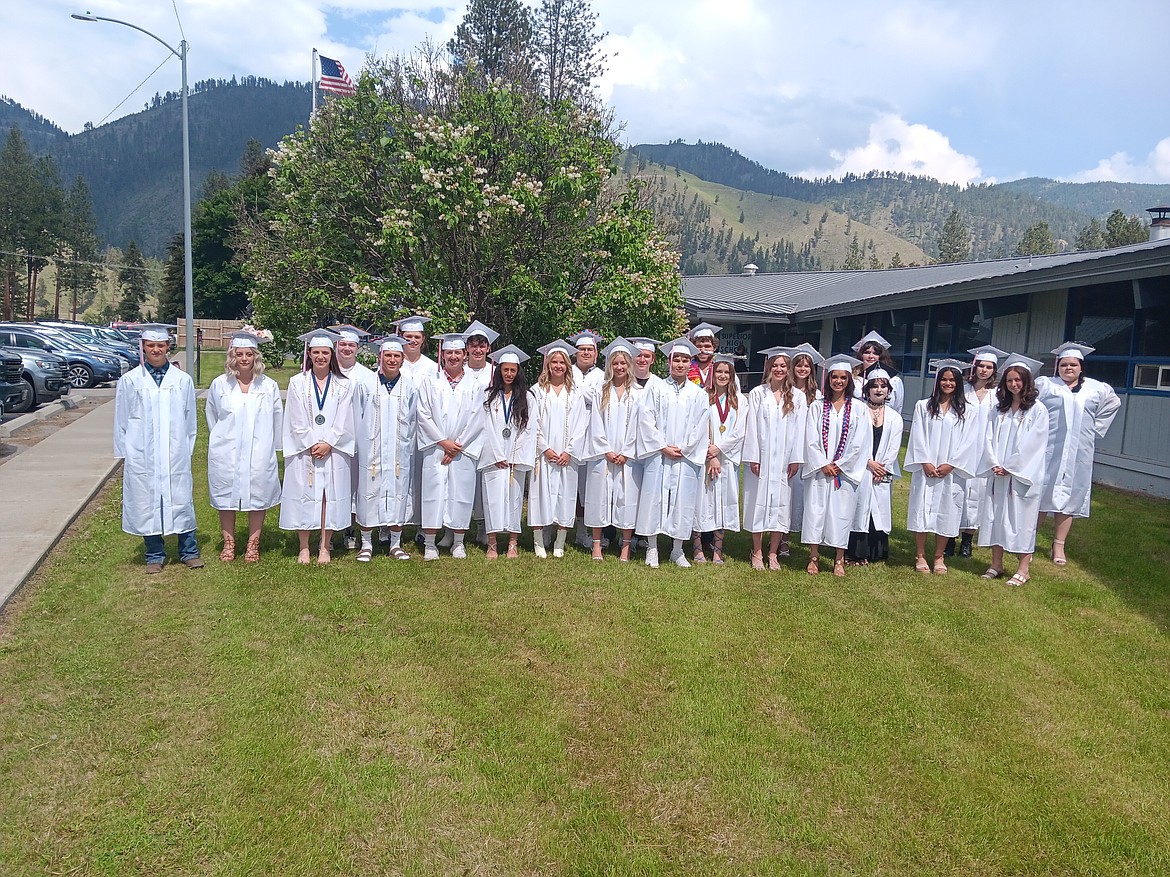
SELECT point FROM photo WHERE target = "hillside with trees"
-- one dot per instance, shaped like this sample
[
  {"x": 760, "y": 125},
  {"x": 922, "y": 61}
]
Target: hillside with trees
[{"x": 1094, "y": 199}]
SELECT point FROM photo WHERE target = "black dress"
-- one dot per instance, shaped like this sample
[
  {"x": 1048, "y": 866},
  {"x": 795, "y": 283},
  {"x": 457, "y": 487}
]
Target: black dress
[{"x": 873, "y": 545}]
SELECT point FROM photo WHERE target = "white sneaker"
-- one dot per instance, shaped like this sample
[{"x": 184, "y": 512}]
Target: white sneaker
[
  {"x": 652, "y": 558},
  {"x": 431, "y": 554},
  {"x": 447, "y": 541},
  {"x": 680, "y": 559},
  {"x": 539, "y": 550},
  {"x": 459, "y": 552},
  {"x": 558, "y": 552}
]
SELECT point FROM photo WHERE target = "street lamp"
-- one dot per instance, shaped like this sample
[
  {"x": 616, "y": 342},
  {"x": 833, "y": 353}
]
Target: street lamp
[{"x": 188, "y": 282}]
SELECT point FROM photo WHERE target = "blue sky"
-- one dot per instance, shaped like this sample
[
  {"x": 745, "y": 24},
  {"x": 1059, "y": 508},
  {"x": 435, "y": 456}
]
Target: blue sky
[{"x": 964, "y": 92}]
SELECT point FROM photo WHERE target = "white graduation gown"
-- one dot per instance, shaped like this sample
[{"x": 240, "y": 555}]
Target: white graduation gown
[
  {"x": 671, "y": 488},
  {"x": 422, "y": 369},
  {"x": 1075, "y": 422},
  {"x": 936, "y": 504},
  {"x": 796, "y": 483},
  {"x": 719, "y": 499},
  {"x": 309, "y": 482},
  {"x": 156, "y": 474},
  {"x": 454, "y": 413},
  {"x": 561, "y": 424},
  {"x": 873, "y": 499},
  {"x": 246, "y": 431},
  {"x": 384, "y": 460},
  {"x": 1015, "y": 442},
  {"x": 773, "y": 440},
  {"x": 502, "y": 490},
  {"x": 973, "y": 487},
  {"x": 830, "y": 503},
  {"x": 611, "y": 491}
]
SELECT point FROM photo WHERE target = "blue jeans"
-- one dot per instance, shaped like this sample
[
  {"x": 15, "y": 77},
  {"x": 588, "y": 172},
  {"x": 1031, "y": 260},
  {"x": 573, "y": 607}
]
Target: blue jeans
[{"x": 156, "y": 551}]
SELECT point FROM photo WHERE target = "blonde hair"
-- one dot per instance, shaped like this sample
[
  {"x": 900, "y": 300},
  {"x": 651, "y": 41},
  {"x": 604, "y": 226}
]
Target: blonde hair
[
  {"x": 732, "y": 393},
  {"x": 543, "y": 380},
  {"x": 229, "y": 365},
  {"x": 785, "y": 382},
  {"x": 608, "y": 382},
  {"x": 810, "y": 385}
]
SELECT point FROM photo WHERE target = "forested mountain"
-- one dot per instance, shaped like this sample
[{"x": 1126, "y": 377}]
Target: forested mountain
[
  {"x": 912, "y": 208},
  {"x": 718, "y": 229},
  {"x": 1094, "y": 199},
  {"x": 134, "y": 165}
]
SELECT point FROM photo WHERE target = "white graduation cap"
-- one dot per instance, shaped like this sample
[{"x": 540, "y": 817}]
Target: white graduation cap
[
  {"x": 1032, "y": 365},
  {"x": 868, "y": 337},
  {"x": 704, "y": 330},
  {"x": 319, "y": 338},
  {"x": 553, "y": 346},
  {"x": 624, "y": 345},
  {"x": 877, "y": 373},
  {"x": 936, "y": 365},
  {"x": 1071, "y": 348},
  {"x": 779, "y": 350},
  {"x": 412, "y": 323},
  {"x": 727, "y": 358},
  {"x": 452, "y": 341},
  {"x": 478, "y": 328},
  {"x": 678, "y": 345},
  {"x": 642, "y": 343},
  {"x": 585, "y": 338},
  {"x": 511, "y": 353},
  {"x": 391, "y": 342},
  {"x": 840, "y": 362},
  {"x": 987, "y": 353},
  {"x": 809, "y": 351},
  {"x": 346, "y": 332},
  {"x": 155, "y": 331},
  {"x": 243, "y": 339}
]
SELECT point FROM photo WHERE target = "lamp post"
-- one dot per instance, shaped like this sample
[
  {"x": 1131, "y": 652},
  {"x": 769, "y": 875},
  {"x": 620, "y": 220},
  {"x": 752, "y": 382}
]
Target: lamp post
[{"x": 188, "y": 281}]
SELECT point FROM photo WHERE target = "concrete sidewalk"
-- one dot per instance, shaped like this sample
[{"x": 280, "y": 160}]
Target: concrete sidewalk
[{"x": 44, "y": 488}]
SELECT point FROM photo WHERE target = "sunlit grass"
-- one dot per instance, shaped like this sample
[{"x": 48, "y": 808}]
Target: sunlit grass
[{"x": 572, "y": 717}]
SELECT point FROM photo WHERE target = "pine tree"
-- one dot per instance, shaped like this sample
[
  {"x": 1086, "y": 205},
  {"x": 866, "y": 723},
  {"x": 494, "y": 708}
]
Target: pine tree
[
  {"x": 1122, "y": 230},
  {"x": 955, "y": 243},
  {"x": 896, "y": 260},
  {"x": 567, "y": 44},
  {"x": 1091, "y": 237},
  {"x": 1037, "y": 241},
  {"x": 132, "y": 282},
  {"x": 496, "y": 35}
]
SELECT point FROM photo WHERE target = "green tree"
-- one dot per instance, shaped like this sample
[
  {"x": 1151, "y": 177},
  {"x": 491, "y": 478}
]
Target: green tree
[
  {"x": 1091, "y": 237},
  {"x": 853, "y": 259},
  {"x": 434, "y": 191},
  {"x": 17, "y": 193},
  {"x": 172, "y": 293},
  {"x": 567, "y": 46},
  {"x": 76, "y": 272},
  {"x": 132, "y": 282},
  {"x": 496, "y": 36},
  {"x": 1122, "y": 230},
  {"x": 955, "y": 243},
  {"x": 896, "y": 260},
  {"x": 1037, "y": 241}
]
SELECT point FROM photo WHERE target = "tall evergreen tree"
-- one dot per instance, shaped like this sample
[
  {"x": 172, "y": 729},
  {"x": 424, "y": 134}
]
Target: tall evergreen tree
[
  {"x": 132, "y": 281},
  {"x": 172, "y": 294},
  {"x": 76, "y": 275},
  {"x": 955, "y": 243},
  {"x": 18, "y": 186},
  {"x": 496, "y": 35},
  {"x": 1122, "y": 230},
  {"x": 1091, "y": 237},
  {"x": 1037, "y": 241},
  {"x": 568, "y": 53}
]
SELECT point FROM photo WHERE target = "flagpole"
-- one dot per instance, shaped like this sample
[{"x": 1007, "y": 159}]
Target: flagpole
[{"x": 313, "y": 80}]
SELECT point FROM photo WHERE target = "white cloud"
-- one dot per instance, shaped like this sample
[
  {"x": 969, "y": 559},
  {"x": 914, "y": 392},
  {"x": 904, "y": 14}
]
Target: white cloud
[
  {"x": 896, "y": 145},
  {"x": 1121, "y": 168}
]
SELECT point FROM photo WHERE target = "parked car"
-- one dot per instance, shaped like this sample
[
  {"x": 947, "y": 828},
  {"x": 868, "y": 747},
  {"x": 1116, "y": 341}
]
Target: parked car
[
  {"x": 98, "y": 336},
  {"x": 45, "y": 376},
  {"x": 87, "y": 366},
  {"x": 11, "y": 382}
]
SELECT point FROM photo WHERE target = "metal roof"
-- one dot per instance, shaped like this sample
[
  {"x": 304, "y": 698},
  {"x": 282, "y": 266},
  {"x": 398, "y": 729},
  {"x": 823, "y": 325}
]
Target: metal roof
[{"x": 813, "y": 294}]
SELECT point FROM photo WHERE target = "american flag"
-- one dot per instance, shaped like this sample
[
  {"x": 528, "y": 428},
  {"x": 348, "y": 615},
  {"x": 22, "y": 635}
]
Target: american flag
[{"x": 334, "y": 78}]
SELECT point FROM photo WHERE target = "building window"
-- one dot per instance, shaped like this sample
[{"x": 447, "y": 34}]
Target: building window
[{"x": 1149, "y": 376}]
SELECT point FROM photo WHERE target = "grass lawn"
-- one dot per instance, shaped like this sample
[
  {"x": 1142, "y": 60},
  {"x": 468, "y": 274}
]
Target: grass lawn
[{"x": 576, "y": 718}]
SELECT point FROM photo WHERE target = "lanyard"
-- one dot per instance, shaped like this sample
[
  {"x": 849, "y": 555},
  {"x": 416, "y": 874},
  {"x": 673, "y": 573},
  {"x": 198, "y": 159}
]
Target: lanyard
[
  {"x": 723, "y": 411},
  {"x": 322, "y": 396},
  {"x": 508, "y": 402}
]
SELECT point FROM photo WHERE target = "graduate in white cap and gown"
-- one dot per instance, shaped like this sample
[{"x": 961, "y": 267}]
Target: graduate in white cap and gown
[
  {"x": 562, "y": 421},
  {"x": 587, "y": 378},
  {"x": 1014, "y": 466},
  {"x": 318, "y": 447},
  {"x": 1080, "y": 411},
  {"x": 450, "y": 425},
  {"x": 362, "y": 384},
  {"x": 154, "y": 435},
  {"x": 509, "y": 447},
  {"x": 415, "y": 362},
  {"x": 874, "y": 351},
  {"x": 981, "y": 400},
  {"x": 773, "y": 449},
  {"x": 944, "y": 448},
  {"x": 673, "y": 447},
  {"x": 873, "y": 519},
  {"x": 702, "y": 370},
  {"x": 836, "y": 449},
  {"x": 727, "y": 414},
  {"x": 645, "y": 353},
  {"x": 612, "y": 472},
  {"x": 245, "y": 417},
  {"x": 802, "y": 375},
  {"x": 480, "y": 338},
  {"x": 384, "y": 462}
]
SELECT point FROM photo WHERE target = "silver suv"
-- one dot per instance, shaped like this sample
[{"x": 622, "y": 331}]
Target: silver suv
[{"x": 45, "y": 376}]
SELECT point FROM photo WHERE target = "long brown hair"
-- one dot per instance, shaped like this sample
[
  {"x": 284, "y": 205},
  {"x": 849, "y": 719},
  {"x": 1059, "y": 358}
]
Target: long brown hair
[
  {"x": 810, "y": 386},
  {"x": 788, "y": 406},
  {"x": 732, "y": 393},
  {"x": 1028, "y": 393}
]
